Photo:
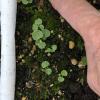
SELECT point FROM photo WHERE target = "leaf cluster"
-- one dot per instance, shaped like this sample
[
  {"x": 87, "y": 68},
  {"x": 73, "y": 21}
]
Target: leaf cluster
[
  {"x": 40, "y": 34},
  {"x": 25, "y": 2},
  {"x": 45, "y": 67},
  {"x": 63, "y": 74}
]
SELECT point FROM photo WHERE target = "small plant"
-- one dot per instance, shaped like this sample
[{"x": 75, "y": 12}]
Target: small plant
[
  {"x": 40, "y": 34},
  {"x": 40, "y": 44},
  {"x": 45, "y": 67},
  {"x": 61, "y": 76},
  {"x": 25, "y": 2},
  {"x": 52, "y": 49}
]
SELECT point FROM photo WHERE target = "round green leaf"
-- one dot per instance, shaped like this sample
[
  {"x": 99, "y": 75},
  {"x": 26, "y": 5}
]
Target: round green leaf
[
  {"x": 48, "y": 71},
  {"x": 41, "y": 27},
  {"x": 46, "y": 33},
  {"x": 54, "y": 47},
  {"x": 64, "y": 73},
  {"x": 25, "y": 2},
  {"x": 38, "y": 21},
  {"x": 35, "y": 27},
  {"x": 48, "y": 50},
  {"x": 30, "y": 1},
  {"x": 40, "y": 44},
  {"x": 37, "y": 35},
  {"x": 45, "y": 64},
  {"x": 60, "y": 79}
]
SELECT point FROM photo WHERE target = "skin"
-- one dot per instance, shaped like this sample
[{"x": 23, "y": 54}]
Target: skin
[{"x": 85, "y": 19}]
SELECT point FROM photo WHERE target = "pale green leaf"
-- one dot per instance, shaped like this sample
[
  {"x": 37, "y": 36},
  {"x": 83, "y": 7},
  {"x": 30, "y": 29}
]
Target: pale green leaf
[
  {"x": 30, "y": 1},
  {"x": 54, "y": 47},
  {"x": 64, "y": 73},
  {"x": 60, "y": 79},
  {"x": 38, "y": 21},
  {"x": 40, "y": 44},
  {"x": 46, "y": 33},
  {"x": 45, "y": 64},
  {"x": 36, "y": 35},
  {"x": 48, "y": 71},
  {"x": 25, "y": 2},
  {"x": 35, "y": 27},
  {"x": 41, "y": 27},
  {"x": 48, "y": 50}
]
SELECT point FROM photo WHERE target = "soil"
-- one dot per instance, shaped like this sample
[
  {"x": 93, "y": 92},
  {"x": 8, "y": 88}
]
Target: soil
[{"x": 28, "y": 56}]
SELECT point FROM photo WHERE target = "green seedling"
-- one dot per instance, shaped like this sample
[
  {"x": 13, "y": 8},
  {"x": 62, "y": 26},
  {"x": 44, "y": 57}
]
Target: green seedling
[
  {"x": 40, "y": 44},
  {"x": 37, "y": 34},
  {"x": 45, "y": 64},
  {"x": 61, "y": 79},
  {"x": 46, "y": 33},
  {"x": 61, "y": 76},
  {"x": 64, "y": 73},
  {"x": 26, "y": 1},
  {"x": 38, "y": 21},
  {"x": 48, "y": 71},
  {"x": 40, "y": 34},
  {"x": 52, "y": 49},
  {"x": 45, "y": 67}
]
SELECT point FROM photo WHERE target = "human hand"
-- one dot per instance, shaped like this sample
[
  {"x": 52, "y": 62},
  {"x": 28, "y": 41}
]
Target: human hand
[{"x": 58, "y": 4}]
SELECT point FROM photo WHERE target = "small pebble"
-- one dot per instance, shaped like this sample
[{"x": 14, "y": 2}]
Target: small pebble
[
  {"x": 29, "y": 84},
  {"x": 21, "y": 56},
  {"x": 18, "y": 33},
  {"x": 52, "y": 31},
  {"x": 62, "y": 38},
  {"x": 74, "y": 61},
  {"x": 59, "y": 92},
  {"x": 59, "y": 36},
  {"x": 94, "y": 1},
  {"x": 62, "y": 19},
  {"x": 53, "y": 98},
  {"x": 24, "y": 98},
  {"x": 30, "y": 40},
  {"x": 71, "y": 44},
  {"x": 48, "y": 54},
  {"x": 23, "y": 61},
  {"x": 51, "y": 85}
]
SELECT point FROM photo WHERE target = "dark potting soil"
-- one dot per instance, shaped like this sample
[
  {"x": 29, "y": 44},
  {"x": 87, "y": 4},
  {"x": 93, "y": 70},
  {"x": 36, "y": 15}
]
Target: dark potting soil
[{"x": 75, "y": 86}]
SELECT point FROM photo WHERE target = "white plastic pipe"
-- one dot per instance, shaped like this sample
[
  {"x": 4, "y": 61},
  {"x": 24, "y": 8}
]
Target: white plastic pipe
[{"x": 8, "y": 62}]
